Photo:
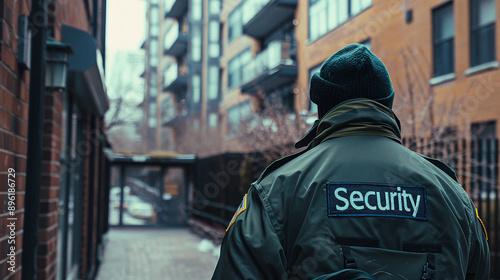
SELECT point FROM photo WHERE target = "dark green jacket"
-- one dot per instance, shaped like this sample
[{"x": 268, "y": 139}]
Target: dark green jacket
[{"x": 355, "y": 198}]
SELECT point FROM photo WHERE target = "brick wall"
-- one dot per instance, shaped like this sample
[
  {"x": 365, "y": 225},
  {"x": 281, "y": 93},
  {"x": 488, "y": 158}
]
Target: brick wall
[
  {"x": 400, "y": 44},
  {"x": 14, "y": 92},
  {"x": 50, "y": 185}
]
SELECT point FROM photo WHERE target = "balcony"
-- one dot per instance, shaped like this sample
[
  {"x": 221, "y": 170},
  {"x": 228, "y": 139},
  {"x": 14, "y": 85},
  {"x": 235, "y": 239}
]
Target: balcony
[
  {"x": 270, "y": 17},
  {"x": 175, "y": 42},
  {"x": 175, "y": 78},
  {"x": 175, "y": 8},
  {"x": 272, "y": 69}
]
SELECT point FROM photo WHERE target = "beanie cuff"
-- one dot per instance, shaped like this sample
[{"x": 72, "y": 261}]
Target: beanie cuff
[
  {"x": 387, "y": 101},
  {"x": 324, "y": 92}
]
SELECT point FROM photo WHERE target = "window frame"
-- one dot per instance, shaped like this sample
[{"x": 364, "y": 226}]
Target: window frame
[
  {"x": 243, "y": 110},
  {"x": 238, "y": 69},
  {"x": 234, "y": 23},
  {"x": 476, "y": 56},
  {"x": 340, "y": 18},
  {"x": 438, "y": 43}
]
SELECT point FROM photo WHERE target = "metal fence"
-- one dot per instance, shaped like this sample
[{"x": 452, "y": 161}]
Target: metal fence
[
  {"x": 475, "y": 162},
  {"x": 221, "y": 181}
]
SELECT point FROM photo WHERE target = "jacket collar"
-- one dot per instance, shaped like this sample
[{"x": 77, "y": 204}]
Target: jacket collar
[{"x": 353, "y": 117}]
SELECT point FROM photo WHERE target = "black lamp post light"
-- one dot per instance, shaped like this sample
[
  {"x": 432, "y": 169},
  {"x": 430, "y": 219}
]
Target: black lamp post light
[{"x": 56, "y": 64}]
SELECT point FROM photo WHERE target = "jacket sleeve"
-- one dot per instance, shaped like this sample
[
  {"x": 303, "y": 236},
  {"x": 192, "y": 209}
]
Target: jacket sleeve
[
  {"x": 251, "y": 248},
  {"x": 479, "y": 260}
]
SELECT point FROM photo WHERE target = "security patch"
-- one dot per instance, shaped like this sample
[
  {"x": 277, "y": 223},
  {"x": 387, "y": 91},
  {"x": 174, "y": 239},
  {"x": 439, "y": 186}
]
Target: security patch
[{"x": 367, "y": 199}]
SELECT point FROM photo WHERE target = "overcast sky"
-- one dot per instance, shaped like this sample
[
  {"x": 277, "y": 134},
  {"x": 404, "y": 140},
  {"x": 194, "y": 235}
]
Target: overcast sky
[{"x": 125, "y": 26}]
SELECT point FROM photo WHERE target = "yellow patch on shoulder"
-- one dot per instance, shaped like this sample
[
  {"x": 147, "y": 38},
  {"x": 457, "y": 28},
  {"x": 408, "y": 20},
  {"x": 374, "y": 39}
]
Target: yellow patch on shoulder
[
  {"x": 484, "y": 229},
  {"x": 241, "y": 208}
]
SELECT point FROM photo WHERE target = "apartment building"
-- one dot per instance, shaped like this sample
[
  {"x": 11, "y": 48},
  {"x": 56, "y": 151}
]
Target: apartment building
[
  {"x": 223, "y": 63},
  {"x": 219, "y": 62}
]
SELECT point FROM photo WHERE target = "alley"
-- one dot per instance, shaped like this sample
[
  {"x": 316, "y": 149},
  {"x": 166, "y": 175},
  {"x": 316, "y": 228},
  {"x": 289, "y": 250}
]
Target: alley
[{"x": 132, "y": 254}]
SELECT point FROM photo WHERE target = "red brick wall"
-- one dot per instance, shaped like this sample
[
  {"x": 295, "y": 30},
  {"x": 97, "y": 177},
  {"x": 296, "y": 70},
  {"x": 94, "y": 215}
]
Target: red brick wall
[
  {"x": 399, "y": 45},
  {"x": 50, "y": 185},
  {"x": 14, "y": 89}
]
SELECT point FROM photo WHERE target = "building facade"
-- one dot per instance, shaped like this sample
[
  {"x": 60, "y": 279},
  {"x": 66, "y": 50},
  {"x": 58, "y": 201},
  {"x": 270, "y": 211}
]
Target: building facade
[
  {"x": 53, "y": 192},
  {"x": 223, "y": 63}
]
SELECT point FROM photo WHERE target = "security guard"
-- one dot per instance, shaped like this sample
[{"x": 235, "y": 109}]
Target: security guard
[{"x": 356, "y": 198}]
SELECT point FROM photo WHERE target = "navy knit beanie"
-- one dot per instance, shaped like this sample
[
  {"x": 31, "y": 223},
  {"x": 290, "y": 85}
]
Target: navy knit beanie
[{"x": 352, "y": 72}]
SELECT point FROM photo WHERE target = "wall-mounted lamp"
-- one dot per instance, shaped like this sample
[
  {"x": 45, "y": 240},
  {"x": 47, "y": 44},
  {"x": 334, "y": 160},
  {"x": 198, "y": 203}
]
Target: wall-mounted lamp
[{"x": 57, "y": 64}]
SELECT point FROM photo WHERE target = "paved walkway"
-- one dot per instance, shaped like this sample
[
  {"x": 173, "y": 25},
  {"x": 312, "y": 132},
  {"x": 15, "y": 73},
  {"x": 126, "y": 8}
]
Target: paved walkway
[{"x": 132, "y": 254}]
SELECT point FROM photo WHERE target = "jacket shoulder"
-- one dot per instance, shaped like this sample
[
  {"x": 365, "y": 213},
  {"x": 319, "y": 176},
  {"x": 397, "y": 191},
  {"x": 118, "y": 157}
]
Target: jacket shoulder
[
  {"x": 277, "y": 164},
  {"x": 442, "y": 166}
]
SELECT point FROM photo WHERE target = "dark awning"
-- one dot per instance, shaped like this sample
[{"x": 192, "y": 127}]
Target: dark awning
[{"x": 85, "y": 71}]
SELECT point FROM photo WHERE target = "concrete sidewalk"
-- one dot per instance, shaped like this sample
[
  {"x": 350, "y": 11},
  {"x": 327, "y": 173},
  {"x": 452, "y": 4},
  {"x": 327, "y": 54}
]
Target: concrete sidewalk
[{"x": 132, "y": 254}]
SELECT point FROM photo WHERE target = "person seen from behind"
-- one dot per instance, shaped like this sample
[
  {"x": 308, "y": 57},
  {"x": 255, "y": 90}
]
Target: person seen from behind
[{"x": 355, "y": 204}]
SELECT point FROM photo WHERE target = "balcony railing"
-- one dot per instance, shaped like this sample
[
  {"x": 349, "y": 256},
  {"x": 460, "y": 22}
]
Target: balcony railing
[
  {"x": 266, "y": 16},
  {"x": 175, "y": 8},
  {"x": 271, "y": 69}
]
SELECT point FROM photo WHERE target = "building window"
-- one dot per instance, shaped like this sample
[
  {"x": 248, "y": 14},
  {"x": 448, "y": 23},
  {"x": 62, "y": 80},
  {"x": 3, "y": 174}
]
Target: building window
[
  {"x": 357, "y": 6},
  {"x": 196, "y": 9},
  {"x": 214, "y": 39},
  {"x": 153, "y": 91},
  {"x": 154, "y": 21},
  {"x": 196, "y": 88},
  {"x": 325, "y": 15},
  {"x": 235, "y": 24},
  {"x": 152, "y": 109},
  {"x": 152, "y": 121},
  {"x": 213, "y": 83},
  {"x": 153, "y": 82},
  {"x": 237, "y": 114},
  {"x": 153, "y": 53},
  {"x": 482, "y": 35},
  {"x": 443, "y": 30},
  {"x": 214, "y": 7},
  {"x": 235, "y": 68},
  {"x": 196, "y": 44},
  {"x": 212, "y": 120},
  {"x": 154, "y": 30}
]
